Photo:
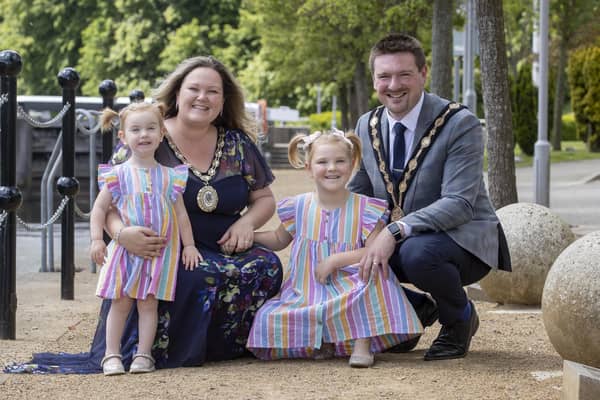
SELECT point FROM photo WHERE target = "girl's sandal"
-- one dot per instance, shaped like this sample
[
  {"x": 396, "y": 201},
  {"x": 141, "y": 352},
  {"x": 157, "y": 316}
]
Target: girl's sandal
[
  {"x": 361, "y": 360},
  {"x": 142, "y": 363},
  {"x": 112, "y": 365}
]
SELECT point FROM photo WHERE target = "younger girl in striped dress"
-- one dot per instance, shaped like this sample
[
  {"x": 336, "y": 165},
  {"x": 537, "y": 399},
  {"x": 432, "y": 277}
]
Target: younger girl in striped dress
[
  {"x": 148, "y": 194},
  {"x": 324, "y": 308}
]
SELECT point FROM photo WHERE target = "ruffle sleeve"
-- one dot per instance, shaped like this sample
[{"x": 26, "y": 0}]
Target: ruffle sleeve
[
  {"x": 255, "y": 169},
  {"x": 375, "y": 210},
  {"x": 286, "y": 210},
  {"x": 179, "y": 175},
  {"x": 107, "y": 176}
]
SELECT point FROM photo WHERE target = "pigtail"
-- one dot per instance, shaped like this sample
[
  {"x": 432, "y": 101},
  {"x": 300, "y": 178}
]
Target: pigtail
[
  {"x": 106, "y": 119},
  {"x": 296, "y": 144},
  {"x": 356, "y": 149}
]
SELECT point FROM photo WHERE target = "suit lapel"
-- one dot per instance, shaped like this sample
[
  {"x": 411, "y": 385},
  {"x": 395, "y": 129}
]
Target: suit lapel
[{"x": 426, "y": 117}]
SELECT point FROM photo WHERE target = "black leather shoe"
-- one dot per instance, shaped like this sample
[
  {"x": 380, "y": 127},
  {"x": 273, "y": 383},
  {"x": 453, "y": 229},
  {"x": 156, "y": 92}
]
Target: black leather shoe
[
  {"x": 454, "y": 341},
  {"x": 428, "y": 313}
]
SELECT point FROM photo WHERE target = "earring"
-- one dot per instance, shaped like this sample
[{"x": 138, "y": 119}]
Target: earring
[
  {"x": 221, "y": 113},
  {"x": 176, "y": 107}
]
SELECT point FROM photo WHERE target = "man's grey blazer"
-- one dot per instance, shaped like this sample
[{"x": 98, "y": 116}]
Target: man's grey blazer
[{"x": 447, "y": 192}]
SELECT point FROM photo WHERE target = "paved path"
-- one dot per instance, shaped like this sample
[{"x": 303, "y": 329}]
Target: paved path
[{"x": 574, "y": 192}]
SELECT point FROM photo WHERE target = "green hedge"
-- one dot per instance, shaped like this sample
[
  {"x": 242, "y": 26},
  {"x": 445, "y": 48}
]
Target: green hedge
[
  {"x": 568, "y": 129},
  {"x": 322, "y": 121}
]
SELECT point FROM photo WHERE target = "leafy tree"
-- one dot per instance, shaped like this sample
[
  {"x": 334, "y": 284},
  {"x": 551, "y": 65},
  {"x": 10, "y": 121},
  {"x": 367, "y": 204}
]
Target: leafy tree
[
  {"x": 571, "y": 19},
  {"x": 307, "y": 42},
  {"x": 47, "y": 35}
]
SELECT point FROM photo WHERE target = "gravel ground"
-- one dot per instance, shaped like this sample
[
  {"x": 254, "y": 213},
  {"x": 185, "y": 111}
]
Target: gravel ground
[{"x": 510, "y": 358}]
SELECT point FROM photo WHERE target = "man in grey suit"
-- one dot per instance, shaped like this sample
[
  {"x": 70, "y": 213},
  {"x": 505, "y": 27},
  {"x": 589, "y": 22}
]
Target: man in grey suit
[{"x": 425, "y": 156}]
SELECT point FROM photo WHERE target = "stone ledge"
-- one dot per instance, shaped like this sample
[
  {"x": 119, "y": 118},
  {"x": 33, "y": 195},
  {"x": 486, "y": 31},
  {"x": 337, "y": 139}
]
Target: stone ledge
[{"x": 580, "y": 382}]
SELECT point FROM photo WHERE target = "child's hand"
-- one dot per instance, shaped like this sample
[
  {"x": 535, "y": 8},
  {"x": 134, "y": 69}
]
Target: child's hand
[
  {"x": 324, "y": 269},
  {"x": 191, "y": 257},
  {"x": 98, "y": 251}
]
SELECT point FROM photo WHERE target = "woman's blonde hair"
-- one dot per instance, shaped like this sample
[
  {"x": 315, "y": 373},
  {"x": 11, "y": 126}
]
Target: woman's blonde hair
[
  {"x": 234, "y": 114},
  {"x": 300, "y": 149},
  {"x": 108, "y": 115}
]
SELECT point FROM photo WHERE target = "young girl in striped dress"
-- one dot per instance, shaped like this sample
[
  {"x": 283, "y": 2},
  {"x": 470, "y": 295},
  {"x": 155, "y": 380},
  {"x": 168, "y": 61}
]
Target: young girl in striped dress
[
  {"x": 324, "y": 308},
  {"x": 148, "y": 194}
]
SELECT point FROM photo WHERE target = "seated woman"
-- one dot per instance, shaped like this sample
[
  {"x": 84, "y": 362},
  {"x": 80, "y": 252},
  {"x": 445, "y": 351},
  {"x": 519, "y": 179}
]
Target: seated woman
[{"x": 227, "y": 197}]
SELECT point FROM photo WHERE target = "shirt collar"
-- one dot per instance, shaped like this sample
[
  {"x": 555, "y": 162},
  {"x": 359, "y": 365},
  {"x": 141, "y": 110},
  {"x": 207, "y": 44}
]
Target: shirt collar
[{"x": 410, "y": 120}]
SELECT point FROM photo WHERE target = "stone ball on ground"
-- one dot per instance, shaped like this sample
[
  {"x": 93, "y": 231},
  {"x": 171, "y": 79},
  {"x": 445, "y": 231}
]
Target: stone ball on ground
[
  {"x": 571, "y": 301},
  {"x": 535, "y": 237}
]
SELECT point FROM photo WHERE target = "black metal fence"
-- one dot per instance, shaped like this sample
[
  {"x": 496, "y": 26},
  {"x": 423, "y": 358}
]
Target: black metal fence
[{"x": 67, "y": 185}]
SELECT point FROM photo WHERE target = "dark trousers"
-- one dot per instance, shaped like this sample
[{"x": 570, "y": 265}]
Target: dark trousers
[{"x": 434, "y": 263}]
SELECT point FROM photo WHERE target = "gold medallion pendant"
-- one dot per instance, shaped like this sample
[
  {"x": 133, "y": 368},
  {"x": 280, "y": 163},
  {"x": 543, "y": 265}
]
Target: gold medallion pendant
[{"x": 207, "y": 199}]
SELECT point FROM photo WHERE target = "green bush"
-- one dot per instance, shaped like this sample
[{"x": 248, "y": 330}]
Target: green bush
[
  {"x": 568, "y": 130},
  {"x": 322, "y": 121},
  {"x": 525, "y": 107},
  {"x": 583, "y": 72}
]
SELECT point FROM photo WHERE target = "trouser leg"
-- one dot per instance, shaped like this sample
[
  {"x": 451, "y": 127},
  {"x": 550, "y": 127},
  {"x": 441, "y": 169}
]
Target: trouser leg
[{"x": 434, "y": 263}]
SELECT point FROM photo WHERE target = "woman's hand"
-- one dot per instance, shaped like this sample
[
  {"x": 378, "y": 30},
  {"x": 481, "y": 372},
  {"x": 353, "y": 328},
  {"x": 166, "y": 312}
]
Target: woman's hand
[
  {"x": 238, "y": 238},
  {"x": 141, "y": 241}
]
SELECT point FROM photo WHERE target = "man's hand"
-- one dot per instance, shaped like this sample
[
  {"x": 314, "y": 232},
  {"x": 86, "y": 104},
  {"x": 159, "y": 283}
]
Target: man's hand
[{"x": 377, "y": 256}]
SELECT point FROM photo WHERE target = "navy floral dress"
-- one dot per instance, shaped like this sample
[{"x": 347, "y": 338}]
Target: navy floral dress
[{"x": 214, "y": 304}]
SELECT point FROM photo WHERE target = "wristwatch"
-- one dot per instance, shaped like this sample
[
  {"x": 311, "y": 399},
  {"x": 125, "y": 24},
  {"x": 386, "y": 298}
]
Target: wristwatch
[{"x": 397, "y": 231}]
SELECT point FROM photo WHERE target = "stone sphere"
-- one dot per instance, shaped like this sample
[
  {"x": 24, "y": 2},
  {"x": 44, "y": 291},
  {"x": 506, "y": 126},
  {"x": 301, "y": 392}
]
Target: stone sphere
[
  {"x": 535, "y": 237},
  {"x": 571, "y": 302}
]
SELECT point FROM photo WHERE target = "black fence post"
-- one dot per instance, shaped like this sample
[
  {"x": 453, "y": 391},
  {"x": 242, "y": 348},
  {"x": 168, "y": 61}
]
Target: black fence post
[
  {"x": 108, "y": 90},
  {"x": 67, "y": 185},
  {"x": 10, "y": 196},
  {"x": 136, "y": 96}
]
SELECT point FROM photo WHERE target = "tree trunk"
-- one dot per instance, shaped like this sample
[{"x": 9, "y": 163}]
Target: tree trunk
[
  {"x": 559, "y": 96},
  {"x": 360, "y": 87},
  {"x": 354, "y": 114},
  {"x": 496, "y": 100},
  {"x": 344, "y": 108},
  {"x": 441, "y": 48}
]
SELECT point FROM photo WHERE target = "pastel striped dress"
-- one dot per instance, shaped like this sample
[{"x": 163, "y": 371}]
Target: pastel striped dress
[
  {"x": 306, "y": 313},
  {"x": 143, "y": 197}
]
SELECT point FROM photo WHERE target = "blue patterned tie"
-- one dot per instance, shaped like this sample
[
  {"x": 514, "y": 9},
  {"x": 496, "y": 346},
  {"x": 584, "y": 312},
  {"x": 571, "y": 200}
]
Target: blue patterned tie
[{"x": 398, "y": 150}]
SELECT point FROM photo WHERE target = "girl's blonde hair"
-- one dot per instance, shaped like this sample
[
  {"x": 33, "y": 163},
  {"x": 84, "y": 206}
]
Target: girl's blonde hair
[
  {"x": 300, "y": 149},
  {"x": 109, "y": 115}
]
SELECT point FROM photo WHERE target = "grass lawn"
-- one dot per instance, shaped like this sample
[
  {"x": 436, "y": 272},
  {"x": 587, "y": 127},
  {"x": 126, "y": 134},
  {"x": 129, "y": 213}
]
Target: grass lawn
[{"x": 571, "y": 151}]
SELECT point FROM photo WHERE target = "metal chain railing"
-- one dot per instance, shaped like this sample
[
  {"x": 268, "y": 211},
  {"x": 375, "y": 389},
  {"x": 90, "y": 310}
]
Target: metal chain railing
[
  {"x": 52, "y": 220},
  {"x": 3, "y": 216},
  {"x": 92, "y": 118},
  {"x": 81, "y": 214},
  {"x": 47, "y": 124}
]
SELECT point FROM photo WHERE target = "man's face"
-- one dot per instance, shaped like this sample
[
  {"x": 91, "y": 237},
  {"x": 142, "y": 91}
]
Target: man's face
[{"x": 398, "y": 82}]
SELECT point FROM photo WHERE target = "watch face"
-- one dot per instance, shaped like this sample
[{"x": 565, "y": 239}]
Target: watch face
[{"x": 395, "y": 230}]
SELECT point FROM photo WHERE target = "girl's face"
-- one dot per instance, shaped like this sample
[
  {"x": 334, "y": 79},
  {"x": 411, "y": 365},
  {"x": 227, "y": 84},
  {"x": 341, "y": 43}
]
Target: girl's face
[
  {"x": 330, "y": 166},
  {"x": 142, "y": 133},
  {"x": 201, "y": 98}
]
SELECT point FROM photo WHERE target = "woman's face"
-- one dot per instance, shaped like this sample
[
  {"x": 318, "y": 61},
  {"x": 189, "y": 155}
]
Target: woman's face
[{"x": 200, "y": 97}]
